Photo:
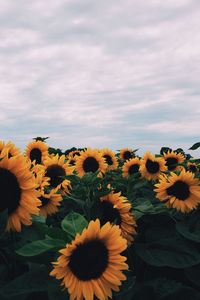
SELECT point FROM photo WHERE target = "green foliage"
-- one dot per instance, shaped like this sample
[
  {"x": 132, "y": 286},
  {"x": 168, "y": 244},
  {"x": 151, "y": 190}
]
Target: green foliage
[
  {"x": 74, "y": 223},
  {"x": 195, "y": 146},
  {"x": 40, "y": 246}
]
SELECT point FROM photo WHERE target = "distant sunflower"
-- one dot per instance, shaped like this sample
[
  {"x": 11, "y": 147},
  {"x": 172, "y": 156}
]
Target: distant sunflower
[
  {"x": 172, "y": 159},
  {"x": 151, "y": 166},
  {"x": 110, "y": 159},
  {"x": 90, "y": 161},
  {"x": 91, "y": 266},
  {"x": 181, "y": 192},
  {"x": 126, "y": 153},
  {"x": 56, "y": 168},
  {"x": 37, "y": 151},
  {"x": 18, "y": 192},
  {"x": 9, "y": 149},
  {"x": 116, "y": 208},
  {"x": 192, "y": 167},
  {"x": 131, "y": 167}
]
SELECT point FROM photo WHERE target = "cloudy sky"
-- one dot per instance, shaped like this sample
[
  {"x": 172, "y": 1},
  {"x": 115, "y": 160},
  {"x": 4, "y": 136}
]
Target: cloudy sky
[{"x": 100, "y": 73}]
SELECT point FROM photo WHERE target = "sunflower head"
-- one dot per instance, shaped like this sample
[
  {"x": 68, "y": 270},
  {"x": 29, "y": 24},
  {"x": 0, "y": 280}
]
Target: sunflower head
[
  {"x": 110, "y": 159},
  {"x": 172, "y": 159},
  {"x": 90, "y": 161},
  {"x": 126, "y": 153},
  {"x": 56, "y": 168},
  {"x": 9, "y": 149},
  {"x": 117, "y": 209},
  {"x": 192, "y": 167},
  {"x": 18, "y": 192},
  {"x": 91, "y": 266},
  {"x": 151, "y": 166},
  {"x": 131, "y": 167},
  {"x": 37, "y": 151},
  {"x": 180, "y": 191}
]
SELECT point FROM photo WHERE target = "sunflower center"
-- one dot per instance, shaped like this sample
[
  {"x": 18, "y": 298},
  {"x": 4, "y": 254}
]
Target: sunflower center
[
  {"x": 152, "y": 166},
  {"x": 110, "y": 214},
  {"x": 171, "y": 163},
  {"x": 108, "y": 159},
  {"x": 193, "y": 168},
  {"x": 90, "y": 164},
  {"x": 133, "y": 169},
  {"x": 89, "y": 260},
  {"x": 55, "y": 173},
  {"x": 127, "y": 155},
  {"x": 10, "y": 191},
  {"x": 179, "y": 189},
  {"x": 36, "y": 154},
  {"x": 44, "y": 201}
]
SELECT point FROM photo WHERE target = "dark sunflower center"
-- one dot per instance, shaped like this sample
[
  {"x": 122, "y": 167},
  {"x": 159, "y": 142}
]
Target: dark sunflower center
[
  {"x": 193, "y": 168},
  {"x": 55, "y": 172},
  {"x": 127, "y": 155},
  {"x": 108, "y": 159},
  {"x": 44, "y": 201},
  {"x": 109, "y": 213},
  {"x": 89, "y": 260},
  {"x": 90, "y": 164},
  {"x": 133, "y": 169},
  {"x": 72, "y": 162},
  {"x": 36, "y": 154},
  {"x": 152, "y": 166},
  {"x": 10, "y": 191},
  {"x": 179, "y": 189},
  {"x": 171, "y": 163}
]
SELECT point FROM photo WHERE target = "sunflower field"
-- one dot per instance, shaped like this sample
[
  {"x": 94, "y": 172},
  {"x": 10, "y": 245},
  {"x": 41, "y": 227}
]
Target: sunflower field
[{"x": 88, "y": 224}]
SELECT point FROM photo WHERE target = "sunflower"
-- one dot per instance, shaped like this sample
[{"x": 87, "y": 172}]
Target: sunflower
[
  {"x": 9, "y": 149},
  {"x": 37, "y": 151},
  {"x": 56, "y": 168},
  {"x": 50, "y": 202},
  {"x": 92, "y": 264},
  {"x": 192, "y": 167},
  {"x": 116, "y": 208},
  {"x": 90, "y": 161},
  {"x": 18, "y": 192},
  {"x": 172, "y": 159},
  {"x": 151, "y": 166},
  {"x": 110, "y": 159},
  {"x": 126, "y": 153},
  {"x": 131, "y": 167},
  {"x": 181, "y": 192}
]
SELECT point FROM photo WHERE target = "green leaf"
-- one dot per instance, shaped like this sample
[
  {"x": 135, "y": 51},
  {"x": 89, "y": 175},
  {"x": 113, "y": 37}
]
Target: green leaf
[
  {"x": 195, "y": 146},
  {"x": 126, "y": 290},
  {"x": 193, "y": 275},
  {"x": 74, "y": 223},
  {"x": 32, "y": 281},
  {"x": 57, "y": 233},
  {"x": 190, "y": 228},
  {"x": 38, "y": 247},
  {"x": 173, "y": 252}
]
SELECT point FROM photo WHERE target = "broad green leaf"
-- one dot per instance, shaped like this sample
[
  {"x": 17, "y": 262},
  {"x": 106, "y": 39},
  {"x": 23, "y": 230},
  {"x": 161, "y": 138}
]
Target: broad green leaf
[
  {"x": 195, "y": 146},
  {"x": 38, "y": 247},
  {"x": 193, "y": 275},
  {"x": 190, "y": 228},
  {"x": 74, "y": 223},
  {"x": 32, "y": 281},
  {"x": 173, "y": 252}
]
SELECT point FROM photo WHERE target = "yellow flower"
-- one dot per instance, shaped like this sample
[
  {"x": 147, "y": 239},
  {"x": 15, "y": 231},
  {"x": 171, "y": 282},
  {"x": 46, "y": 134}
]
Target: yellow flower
[
  {"x": 18, "y": 192},
  {"x": 151, "y": 166},
  {"x": 181, "y": 192},
  {"x": 91, "y": 266}
]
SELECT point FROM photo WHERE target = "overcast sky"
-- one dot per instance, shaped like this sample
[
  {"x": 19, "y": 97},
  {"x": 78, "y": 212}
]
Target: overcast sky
[{"x": 100, "y": 73}]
